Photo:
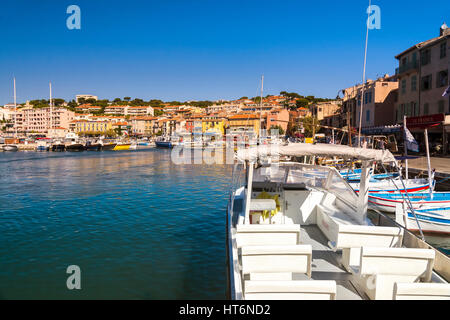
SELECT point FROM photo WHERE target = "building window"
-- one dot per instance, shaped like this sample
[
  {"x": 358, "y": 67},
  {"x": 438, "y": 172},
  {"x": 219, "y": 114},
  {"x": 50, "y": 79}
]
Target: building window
[
  {"x": 367, "y": 115},
  {"x": 426, "y": 108},
  {"x": 441, "y": 106},
  {"x": 443, "y": 49},
  {"x": 426, "y": 57},
  {"x": 426, "y": 82},
  {"x": 403, "y": 86},
  {"x": 442, "y": 79},
  {"x": 414, "y": 83}
]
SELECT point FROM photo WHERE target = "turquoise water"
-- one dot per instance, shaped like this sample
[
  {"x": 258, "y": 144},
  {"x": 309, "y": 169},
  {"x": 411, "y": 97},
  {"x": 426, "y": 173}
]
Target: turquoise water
[{"x": 138, "y": 226}]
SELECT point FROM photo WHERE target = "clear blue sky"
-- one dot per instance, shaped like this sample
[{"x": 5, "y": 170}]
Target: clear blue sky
[{"x": 203, "y": 49}]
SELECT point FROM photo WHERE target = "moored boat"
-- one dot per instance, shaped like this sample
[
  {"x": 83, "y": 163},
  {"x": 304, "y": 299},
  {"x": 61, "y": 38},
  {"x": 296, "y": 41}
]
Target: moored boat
[
  {"x": 164, "y": 144},
  {"x": 93, "y": 146},
  {"x": 75, "y": 147},
  {"x": 122, "y": 146},
  {"x": 391, "y": 186},
  {"x": 108, "y": 146},
  {"x": 428, "y": 220},
  {"x": 10, "y": 147},
  {"x": 387, "y": 202}
]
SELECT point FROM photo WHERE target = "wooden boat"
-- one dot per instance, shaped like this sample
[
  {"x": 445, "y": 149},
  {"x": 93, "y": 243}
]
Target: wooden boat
[
  {"x": 387, "y": 202},
  {"x": 299, "y": 232},
  {"x": 391, "y": 186},
  {"x": 122, "y": 146},
  {"x": 10, "y": 147},
  {"x": 429, "y": 220}
]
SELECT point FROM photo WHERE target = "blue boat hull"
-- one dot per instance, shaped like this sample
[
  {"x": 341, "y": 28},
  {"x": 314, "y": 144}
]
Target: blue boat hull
[{"x": 164, "y": 144}]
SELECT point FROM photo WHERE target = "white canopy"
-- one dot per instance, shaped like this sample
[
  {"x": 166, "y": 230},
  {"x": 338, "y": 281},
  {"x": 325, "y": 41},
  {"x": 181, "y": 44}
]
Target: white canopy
[{"x": 321, "y": 150}]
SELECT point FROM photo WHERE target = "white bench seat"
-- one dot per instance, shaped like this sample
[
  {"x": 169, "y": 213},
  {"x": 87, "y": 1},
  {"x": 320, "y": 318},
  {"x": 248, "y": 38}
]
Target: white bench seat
[
  {"x": 381, "y": 268},
  {"x": 267, "y": 235},
  {"x": 276, "y": 260},
  {"x": 290, "y": 290},
  {"x": 422, "y": 291}
]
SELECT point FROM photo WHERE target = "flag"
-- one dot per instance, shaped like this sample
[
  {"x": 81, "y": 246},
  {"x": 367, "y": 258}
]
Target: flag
[
  {"x": 411, "y": 143},
  {"x": 447, "y": 92}
]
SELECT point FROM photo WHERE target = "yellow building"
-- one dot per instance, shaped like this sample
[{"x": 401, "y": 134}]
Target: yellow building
[
  {"x": 213, "y": 125},
  {"x": 244, "y": 123},
  {"x": 81, "y": 126}
]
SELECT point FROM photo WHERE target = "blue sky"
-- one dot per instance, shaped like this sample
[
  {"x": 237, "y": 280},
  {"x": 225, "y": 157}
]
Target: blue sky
[{"x": 203, "y": 49}]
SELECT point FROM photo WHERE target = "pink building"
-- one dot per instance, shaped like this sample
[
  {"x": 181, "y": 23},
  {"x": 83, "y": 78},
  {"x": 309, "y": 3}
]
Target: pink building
[
  {"x": 38, "y": 119},
  {"x": 277, "y": 117}
]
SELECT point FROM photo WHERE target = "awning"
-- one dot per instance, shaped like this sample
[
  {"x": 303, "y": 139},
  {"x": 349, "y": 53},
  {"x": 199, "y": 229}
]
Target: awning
[{"x": 321, "y": 150}]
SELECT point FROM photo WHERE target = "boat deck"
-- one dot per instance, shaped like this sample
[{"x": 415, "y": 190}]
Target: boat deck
[{"x": 326, "y": 265}]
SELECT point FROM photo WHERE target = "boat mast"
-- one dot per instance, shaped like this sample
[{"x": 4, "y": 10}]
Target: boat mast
[
  {"x": 261, "y": 106},
  {"x": 15, "y": 109},
  {"x": 364, "y": 76},
  {"x": 430, "y": 180},
  {"x": 405, "y": 146},
  {"x": 51, "y": 110}
]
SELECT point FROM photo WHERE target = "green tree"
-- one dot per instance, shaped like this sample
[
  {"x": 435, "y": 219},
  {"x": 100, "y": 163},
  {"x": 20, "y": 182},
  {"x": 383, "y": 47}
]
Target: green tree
[
  {"x": 280, "y": 129},
  {"x": 310, "y": 125},
  {"x": 127, "y": 98},
  {"x": 302, "y": 103}
]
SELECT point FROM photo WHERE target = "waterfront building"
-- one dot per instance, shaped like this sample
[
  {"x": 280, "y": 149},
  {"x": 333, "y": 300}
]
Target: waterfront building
[
  {"x": 143, "y": 125},
  {"x": 116, "y": 110},
  {"x": 423, "y": 77},
  {"x": 90, "y": 126},
  {"x": 277, "y": 117},
  {"x": 140, "y": 111},
  {"x": 244, "y": 123},
  {"x": 37, "y": 120}
]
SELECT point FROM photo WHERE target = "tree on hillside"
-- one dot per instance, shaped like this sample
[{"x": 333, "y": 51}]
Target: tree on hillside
[
  {"x": 127, "y": 98},
  {"x": 302, "y": 103},
  {"x": 279, "y": 128}
]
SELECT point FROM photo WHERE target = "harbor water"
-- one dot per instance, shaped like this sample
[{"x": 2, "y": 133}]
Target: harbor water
[{"x": 137, "y": 225}]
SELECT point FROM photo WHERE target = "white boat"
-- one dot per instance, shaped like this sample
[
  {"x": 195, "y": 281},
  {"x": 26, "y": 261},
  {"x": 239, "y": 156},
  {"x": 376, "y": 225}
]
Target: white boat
[
  {"x": 387, "y": 202},
  {"x": 429, "y": 220},
  {"x": 300, "y": 232},
  {"x": 9, "y": 147},
  {"x": 411, "y": 185}
]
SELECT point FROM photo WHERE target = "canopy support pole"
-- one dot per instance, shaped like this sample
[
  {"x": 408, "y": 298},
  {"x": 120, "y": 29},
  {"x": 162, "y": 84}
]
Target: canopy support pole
[
  {"x": 249, "y": 193},
  {"x": 363, "y": 197}
]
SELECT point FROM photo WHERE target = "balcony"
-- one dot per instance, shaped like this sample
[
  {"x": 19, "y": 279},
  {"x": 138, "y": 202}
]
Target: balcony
[{"x": 409, "y": 67}]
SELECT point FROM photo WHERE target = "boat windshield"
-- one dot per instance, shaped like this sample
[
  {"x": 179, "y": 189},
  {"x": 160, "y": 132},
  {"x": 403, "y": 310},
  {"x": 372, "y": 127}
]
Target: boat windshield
[{"x": 308, "y": 175}]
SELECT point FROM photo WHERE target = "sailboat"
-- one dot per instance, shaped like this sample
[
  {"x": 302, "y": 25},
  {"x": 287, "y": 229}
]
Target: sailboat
[{"x": 13, "y": 147}]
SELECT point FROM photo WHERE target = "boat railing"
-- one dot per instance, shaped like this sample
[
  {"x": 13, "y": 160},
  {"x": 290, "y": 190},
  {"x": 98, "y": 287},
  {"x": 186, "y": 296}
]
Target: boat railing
[
  {"x": 411, "y": 240},
  {"x": 406, "y": 199}
]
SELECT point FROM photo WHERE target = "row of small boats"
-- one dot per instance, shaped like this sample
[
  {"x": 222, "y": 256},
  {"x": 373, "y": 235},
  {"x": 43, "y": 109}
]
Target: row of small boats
[
  {"x": 413, "y": 201},
  {"x": 59, "y": 147}
]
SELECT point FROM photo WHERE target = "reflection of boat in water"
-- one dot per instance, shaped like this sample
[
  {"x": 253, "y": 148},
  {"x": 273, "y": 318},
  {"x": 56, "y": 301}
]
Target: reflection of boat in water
[
  {"x": 122, "y": 146},
  {"x": 10, "y": 147}
]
